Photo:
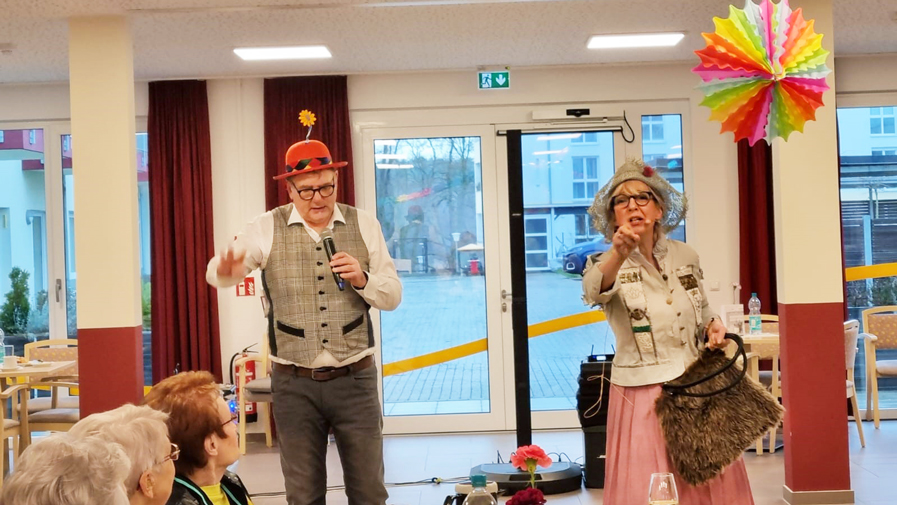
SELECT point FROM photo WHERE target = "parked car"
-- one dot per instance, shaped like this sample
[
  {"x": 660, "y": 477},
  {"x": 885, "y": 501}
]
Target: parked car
[{"x": 575, "y": 257}]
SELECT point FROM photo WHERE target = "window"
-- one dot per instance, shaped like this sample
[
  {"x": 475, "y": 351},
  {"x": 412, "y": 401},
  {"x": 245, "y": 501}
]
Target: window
[
  {"x": 32, "y": 136},
  {"x": 2, "y": 135},
  {"x": 583, "y": 229},
  {"x": 586, "y": 137},
  {"x": 585, "y": 176},
  {"x": 37, "y": 220},
  {"x": 881, "y": 121},
  {"x": 869, "y": 224},
  {"x": 536, "y": 233},
  {"x": 652, "y": 128}
]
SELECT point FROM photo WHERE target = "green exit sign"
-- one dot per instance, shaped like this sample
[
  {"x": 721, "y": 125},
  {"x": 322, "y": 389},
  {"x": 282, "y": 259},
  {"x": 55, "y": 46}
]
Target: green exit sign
[{"x": 495, "y": 80}]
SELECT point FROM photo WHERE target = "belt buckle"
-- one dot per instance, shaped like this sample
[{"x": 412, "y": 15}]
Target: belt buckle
[{"x": 325, "y": 374}]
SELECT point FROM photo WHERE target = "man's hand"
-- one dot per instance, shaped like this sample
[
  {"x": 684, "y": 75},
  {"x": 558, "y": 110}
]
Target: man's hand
[
  {"x": 231, "y": 265},
  {"x": 716, "y": 334},
  {"x": 348, "y": 268}
]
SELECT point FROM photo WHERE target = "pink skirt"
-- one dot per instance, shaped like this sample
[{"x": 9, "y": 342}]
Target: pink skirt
[{"x": 636, "y": 449}]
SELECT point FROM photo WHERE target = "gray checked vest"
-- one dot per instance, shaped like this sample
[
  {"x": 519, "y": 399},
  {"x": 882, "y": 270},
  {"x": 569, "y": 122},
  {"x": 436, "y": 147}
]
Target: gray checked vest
[{"x": 308, "y": 313}]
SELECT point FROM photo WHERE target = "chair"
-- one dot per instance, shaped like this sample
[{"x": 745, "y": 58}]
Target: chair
[
  {"x": 257, "y": 390},
  {"x": 12, "y": 427},
  {"x": 54, "y": 418},
  {"x": 54, "y": 350},
  {"x": 772, "y": 379},
  {"x": 851, "y": 334},
  {"x": 880, "y": 327}
]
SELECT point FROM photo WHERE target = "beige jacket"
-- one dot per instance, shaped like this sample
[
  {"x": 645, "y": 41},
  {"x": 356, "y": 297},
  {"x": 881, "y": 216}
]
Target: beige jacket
[{"x": 677, "y": 336}]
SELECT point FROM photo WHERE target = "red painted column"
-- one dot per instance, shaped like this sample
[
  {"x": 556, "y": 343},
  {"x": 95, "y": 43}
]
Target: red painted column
[
  {"x": 810, "y": 292},
  {"x": 815, "y": 434},
  {"x": 101, "y": 81}
]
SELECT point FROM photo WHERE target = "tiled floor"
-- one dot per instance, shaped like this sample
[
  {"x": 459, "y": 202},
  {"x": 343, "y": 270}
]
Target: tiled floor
[{"x": 414, "y": 458}]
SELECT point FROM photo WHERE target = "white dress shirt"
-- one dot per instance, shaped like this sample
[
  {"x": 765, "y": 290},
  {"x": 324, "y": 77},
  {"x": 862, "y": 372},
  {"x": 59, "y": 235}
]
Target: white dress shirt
[{"x": 383, "y": 290}]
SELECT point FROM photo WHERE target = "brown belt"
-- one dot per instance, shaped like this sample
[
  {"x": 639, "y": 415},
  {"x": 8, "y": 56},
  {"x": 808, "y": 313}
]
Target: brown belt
[{"x": 326, "y": 373}]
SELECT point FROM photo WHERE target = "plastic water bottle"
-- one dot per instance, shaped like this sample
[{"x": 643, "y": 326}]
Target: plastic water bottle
[
  {"x": 756, "y": 326},
  {"x": 479, "y": 495}
]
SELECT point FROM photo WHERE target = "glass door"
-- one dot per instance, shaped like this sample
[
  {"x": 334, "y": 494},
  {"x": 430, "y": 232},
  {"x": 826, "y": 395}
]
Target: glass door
[
  {"x": 441, "y": 350},
  {"x": 551, "y": 181},
  {"x": 25, "y": 295}
]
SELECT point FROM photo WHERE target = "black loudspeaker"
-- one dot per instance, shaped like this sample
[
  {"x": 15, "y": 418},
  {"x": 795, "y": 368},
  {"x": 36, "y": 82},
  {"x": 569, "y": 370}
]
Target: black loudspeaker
[
  {"x": 593, "y": 396},
  {"x": 596, "y": 447},
  {"x": 592, "y": 400}
]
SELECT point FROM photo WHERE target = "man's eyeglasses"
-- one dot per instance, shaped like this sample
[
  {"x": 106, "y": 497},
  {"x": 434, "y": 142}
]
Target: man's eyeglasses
[
  {"x": 234, "y": 418},
  {"x": 173, "y": 455},
  {"x": 641, "y": 199},
  {"x": 308, "y": 194}
]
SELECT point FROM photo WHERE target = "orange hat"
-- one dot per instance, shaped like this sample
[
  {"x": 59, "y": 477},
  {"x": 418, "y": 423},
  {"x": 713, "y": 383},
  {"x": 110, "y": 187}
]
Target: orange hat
[{"x": 308, "y": 155}]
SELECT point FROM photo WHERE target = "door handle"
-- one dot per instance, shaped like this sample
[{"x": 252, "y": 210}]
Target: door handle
[
  {"x": 58, "y": 289},
  {"x": 505, "y": 294}
]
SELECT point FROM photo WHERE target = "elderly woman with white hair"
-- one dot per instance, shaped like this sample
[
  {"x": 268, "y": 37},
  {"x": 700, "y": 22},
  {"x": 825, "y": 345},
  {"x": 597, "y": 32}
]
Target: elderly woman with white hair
[
  {"x": 651, "y": 289},
  {"x": 67, "y": 470},
  {"x": 142, "y": 433}
]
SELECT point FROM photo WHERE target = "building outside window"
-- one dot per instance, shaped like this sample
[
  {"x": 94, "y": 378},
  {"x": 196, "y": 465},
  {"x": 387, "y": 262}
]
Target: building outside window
[{"x": 881, "y": 121}]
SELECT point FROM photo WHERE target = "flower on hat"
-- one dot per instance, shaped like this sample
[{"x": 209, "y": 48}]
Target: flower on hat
[
  {"x": 648, "y": 171},
  {"x": 307, "y": 118}
]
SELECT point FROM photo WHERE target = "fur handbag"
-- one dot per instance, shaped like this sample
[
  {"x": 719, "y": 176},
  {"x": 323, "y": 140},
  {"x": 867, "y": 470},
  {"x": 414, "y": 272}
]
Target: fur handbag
[{"x": 712, "y": 413}]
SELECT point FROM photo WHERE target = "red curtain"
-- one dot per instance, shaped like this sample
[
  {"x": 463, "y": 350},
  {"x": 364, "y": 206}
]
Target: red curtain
[
  {"x": 327, "y": 97},
  {"x": 184, "y": 306},
  {"x": 757, "y": 225}
]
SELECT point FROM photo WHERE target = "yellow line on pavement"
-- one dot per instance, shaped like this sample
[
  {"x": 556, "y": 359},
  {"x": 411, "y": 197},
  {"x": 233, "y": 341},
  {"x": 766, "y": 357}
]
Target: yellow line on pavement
[
  {"x": 435, "y": 358},
  {"x": 565, "y": 323},
  {"x": 870, "y": 272},
  {"x": 471, "y": 348}
]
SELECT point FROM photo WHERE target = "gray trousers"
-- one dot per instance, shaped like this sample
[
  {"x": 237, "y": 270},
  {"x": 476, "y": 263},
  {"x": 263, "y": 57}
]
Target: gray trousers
[{"x": 305, "y": 410}]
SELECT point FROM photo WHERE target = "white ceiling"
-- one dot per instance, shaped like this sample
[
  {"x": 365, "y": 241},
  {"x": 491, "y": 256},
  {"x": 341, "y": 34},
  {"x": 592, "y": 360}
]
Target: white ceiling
[{"x": 195, "y": 38}]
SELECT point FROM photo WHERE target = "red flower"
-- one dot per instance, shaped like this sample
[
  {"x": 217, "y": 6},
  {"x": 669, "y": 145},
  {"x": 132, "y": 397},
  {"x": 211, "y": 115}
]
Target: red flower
[
  {"x": 648, "y": 171},
  {"x": 527, "y": 457},
  {"x": 528, "y": 496}
]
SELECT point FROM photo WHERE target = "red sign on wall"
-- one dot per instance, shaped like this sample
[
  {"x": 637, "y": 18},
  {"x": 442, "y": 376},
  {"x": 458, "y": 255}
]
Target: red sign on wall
[{"x": 247, "y": 287}]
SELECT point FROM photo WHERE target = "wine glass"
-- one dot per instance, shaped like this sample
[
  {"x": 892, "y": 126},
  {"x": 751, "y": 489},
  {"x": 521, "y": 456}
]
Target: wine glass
[{"x": 663, "y": 490}]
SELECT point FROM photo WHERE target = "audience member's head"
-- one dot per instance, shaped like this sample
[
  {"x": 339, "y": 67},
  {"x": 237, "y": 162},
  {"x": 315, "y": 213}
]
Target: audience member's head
[
  {"x": 199, "y": 422},
  {"x": 66, "y": 470},
  {"x": 143, "y": 434}
]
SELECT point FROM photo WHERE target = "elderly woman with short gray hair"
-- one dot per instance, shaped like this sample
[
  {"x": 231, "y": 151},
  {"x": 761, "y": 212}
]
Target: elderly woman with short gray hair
[
  {"x": 143, "y": 434},
  {"x": 66, "y": 470}
]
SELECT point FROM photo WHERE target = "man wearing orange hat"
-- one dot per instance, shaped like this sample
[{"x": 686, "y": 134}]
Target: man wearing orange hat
[{"x": 319, "y": 328}]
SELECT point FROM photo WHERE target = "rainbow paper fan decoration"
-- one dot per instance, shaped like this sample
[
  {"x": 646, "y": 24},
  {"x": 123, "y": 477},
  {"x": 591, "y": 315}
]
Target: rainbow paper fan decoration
[{"x": 763, "y": 70}]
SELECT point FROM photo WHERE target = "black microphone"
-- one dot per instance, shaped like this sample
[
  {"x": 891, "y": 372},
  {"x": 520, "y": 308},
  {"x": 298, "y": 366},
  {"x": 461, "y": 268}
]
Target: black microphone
[{"x": 327, "y": 239}]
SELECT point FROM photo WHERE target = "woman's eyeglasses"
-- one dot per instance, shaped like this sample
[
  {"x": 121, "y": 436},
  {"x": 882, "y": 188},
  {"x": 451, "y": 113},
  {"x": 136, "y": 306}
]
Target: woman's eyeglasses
[
  {"x": 234, "y": 418},
  {"x": 173, "y": 455},
  {"x": 641, "y": 199}
]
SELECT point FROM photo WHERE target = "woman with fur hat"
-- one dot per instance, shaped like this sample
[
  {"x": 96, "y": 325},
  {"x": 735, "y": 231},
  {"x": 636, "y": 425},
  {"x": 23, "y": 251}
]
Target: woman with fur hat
[{"x": 651, "y": 290}]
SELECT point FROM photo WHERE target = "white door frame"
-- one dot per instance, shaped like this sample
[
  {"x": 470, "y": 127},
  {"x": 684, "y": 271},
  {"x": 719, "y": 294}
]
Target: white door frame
[{"x": 493, "y": 420}]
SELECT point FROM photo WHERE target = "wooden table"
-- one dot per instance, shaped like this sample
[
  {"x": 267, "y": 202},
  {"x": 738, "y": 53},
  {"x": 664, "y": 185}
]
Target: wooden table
[
  {"x": 29, "y": 372},
  {"x": 759, "y": 339},
  {"x": 46, "y": 369}
]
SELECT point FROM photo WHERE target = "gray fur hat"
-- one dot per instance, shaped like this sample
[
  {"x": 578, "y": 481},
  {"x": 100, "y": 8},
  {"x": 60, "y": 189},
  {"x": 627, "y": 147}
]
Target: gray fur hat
[{"x": 675, "y": 204}]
